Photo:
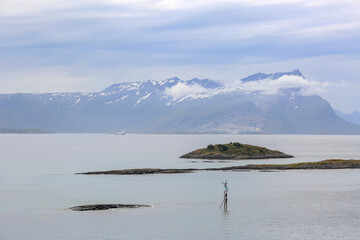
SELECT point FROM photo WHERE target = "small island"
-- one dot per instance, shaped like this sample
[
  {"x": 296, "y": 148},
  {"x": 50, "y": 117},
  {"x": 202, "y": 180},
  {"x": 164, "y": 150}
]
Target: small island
[
  {"x": 139, "y": 171},
  {"x": 22, "y": 131},
  {"x": 321, "y": 165},
  {"x": 235, "y": 151},
  {"x": 99, "y": 207}
]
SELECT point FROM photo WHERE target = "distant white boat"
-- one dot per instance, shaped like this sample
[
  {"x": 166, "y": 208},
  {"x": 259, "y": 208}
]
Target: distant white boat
[{"x": 120, "y": 133}]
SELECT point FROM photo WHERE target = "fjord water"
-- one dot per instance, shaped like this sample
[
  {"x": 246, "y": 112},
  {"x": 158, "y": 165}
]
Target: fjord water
[{"x": 37, "y": 185}]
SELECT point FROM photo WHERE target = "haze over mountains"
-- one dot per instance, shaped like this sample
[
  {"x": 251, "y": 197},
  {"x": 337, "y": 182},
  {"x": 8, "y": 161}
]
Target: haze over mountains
[
  {"x": 350, "y": 117},
  {"x": 260, "y": 103}
]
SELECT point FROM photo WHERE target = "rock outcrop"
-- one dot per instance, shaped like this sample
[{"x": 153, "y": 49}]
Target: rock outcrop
[{"x": 99, "y": 207}]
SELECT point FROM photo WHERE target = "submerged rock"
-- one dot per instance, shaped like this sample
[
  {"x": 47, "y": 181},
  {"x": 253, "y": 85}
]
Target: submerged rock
[{"x": 98, "y": 207}]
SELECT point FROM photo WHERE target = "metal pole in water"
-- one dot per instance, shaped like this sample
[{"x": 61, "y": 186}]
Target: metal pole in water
[
  {"x": 226, "y": 189},
  {"x": 225, "y": 202}
]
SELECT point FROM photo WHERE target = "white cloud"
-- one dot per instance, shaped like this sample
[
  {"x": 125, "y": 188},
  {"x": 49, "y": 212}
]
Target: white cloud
[
  {"x": 18, "y": 7},
  {"x": 341, "y": 83},
  {"x": 47, "y": 79},
  {"x": 46, "y": 43},
  {"x": 323, "y": 30},
  {"x": 270, "y": 86},
  {"x": 182, "y": 90},
  {"x": 305, "y": 87}
]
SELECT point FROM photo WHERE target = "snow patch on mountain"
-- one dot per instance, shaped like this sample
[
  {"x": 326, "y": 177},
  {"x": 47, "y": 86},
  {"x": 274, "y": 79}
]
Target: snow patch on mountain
[
  {"x": 117, "y": 100},
  {"x": 142, "y": 98},
  {"x": 175, "y": 90},
  {"x": 190, "y": 90}
]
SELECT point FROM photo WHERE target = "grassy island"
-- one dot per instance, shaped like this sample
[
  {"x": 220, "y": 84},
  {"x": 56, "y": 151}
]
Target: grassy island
[
  {"x": 235, "y": 151},
  {"x": 322, "y": 165}
]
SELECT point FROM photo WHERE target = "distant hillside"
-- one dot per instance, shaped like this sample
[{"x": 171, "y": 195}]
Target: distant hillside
[
  {"x": 16, "y": 130},
  {"x": 350, "y": 117},
  {"x": 250, "y": 105}
]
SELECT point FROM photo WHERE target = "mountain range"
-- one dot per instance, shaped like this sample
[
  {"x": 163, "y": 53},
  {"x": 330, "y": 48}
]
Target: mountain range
[{"x": 261, "y": 103}]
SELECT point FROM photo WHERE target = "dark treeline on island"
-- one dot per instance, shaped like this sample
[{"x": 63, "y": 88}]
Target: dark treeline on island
[
  {"x": 235, "y": 151},
  {"x": 326, "y": 164},
  {"x": 25, "y": 130}
]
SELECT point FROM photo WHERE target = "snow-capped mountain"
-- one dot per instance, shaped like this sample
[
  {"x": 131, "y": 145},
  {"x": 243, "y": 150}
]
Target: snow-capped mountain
[
  {"x": 167, "y": 91},
  {"x": 261, "y": 103}
]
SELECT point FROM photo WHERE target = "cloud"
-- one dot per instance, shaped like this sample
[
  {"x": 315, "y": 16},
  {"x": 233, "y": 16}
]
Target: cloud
[
  {"x": 183, "y": 90},
  {"x": 46, "y": 79},
  {"x": 132, "y": 40},
  {"x": 324, "y": 30},
  {"x": 17, "y": 7},
  {"x": 270, "y": 86},
  {"x": 267, "y": 86},
  {"x": 303, "y": 86}
]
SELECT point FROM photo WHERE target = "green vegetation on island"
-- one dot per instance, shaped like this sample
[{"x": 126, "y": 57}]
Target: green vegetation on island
[
  {"x": 25, "y": 130},
  {"x": 235, "y": 151},
  {"x": 321, "y": 165}
]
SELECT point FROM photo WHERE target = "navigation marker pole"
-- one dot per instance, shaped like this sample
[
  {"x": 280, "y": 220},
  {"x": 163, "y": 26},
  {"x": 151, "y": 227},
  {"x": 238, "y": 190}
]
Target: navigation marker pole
[{"x": 225, "y": 196}]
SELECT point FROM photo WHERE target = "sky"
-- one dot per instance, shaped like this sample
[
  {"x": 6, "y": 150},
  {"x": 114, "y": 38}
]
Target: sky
[{"x": 87, "y": 45}]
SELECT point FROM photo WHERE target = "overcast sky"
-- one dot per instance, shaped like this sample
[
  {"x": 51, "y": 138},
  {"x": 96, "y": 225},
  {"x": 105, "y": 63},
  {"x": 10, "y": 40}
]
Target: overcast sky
[{"x": 86, "y": 45}]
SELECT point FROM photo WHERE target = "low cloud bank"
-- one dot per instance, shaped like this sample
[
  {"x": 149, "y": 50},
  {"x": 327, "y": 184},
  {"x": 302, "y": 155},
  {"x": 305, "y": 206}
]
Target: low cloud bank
[
  {"x": 269, "y": 86},
  {"x": 182, "y": 90}
]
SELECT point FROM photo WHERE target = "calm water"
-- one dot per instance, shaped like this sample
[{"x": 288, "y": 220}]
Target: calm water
[{"x": 37, "y": 184}]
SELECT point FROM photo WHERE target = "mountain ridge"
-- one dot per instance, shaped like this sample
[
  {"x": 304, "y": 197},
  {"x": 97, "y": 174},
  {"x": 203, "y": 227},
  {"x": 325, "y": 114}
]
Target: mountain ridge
[
  {"x": 277, "y": 75},
  {"x": 174, "y": 105}
]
